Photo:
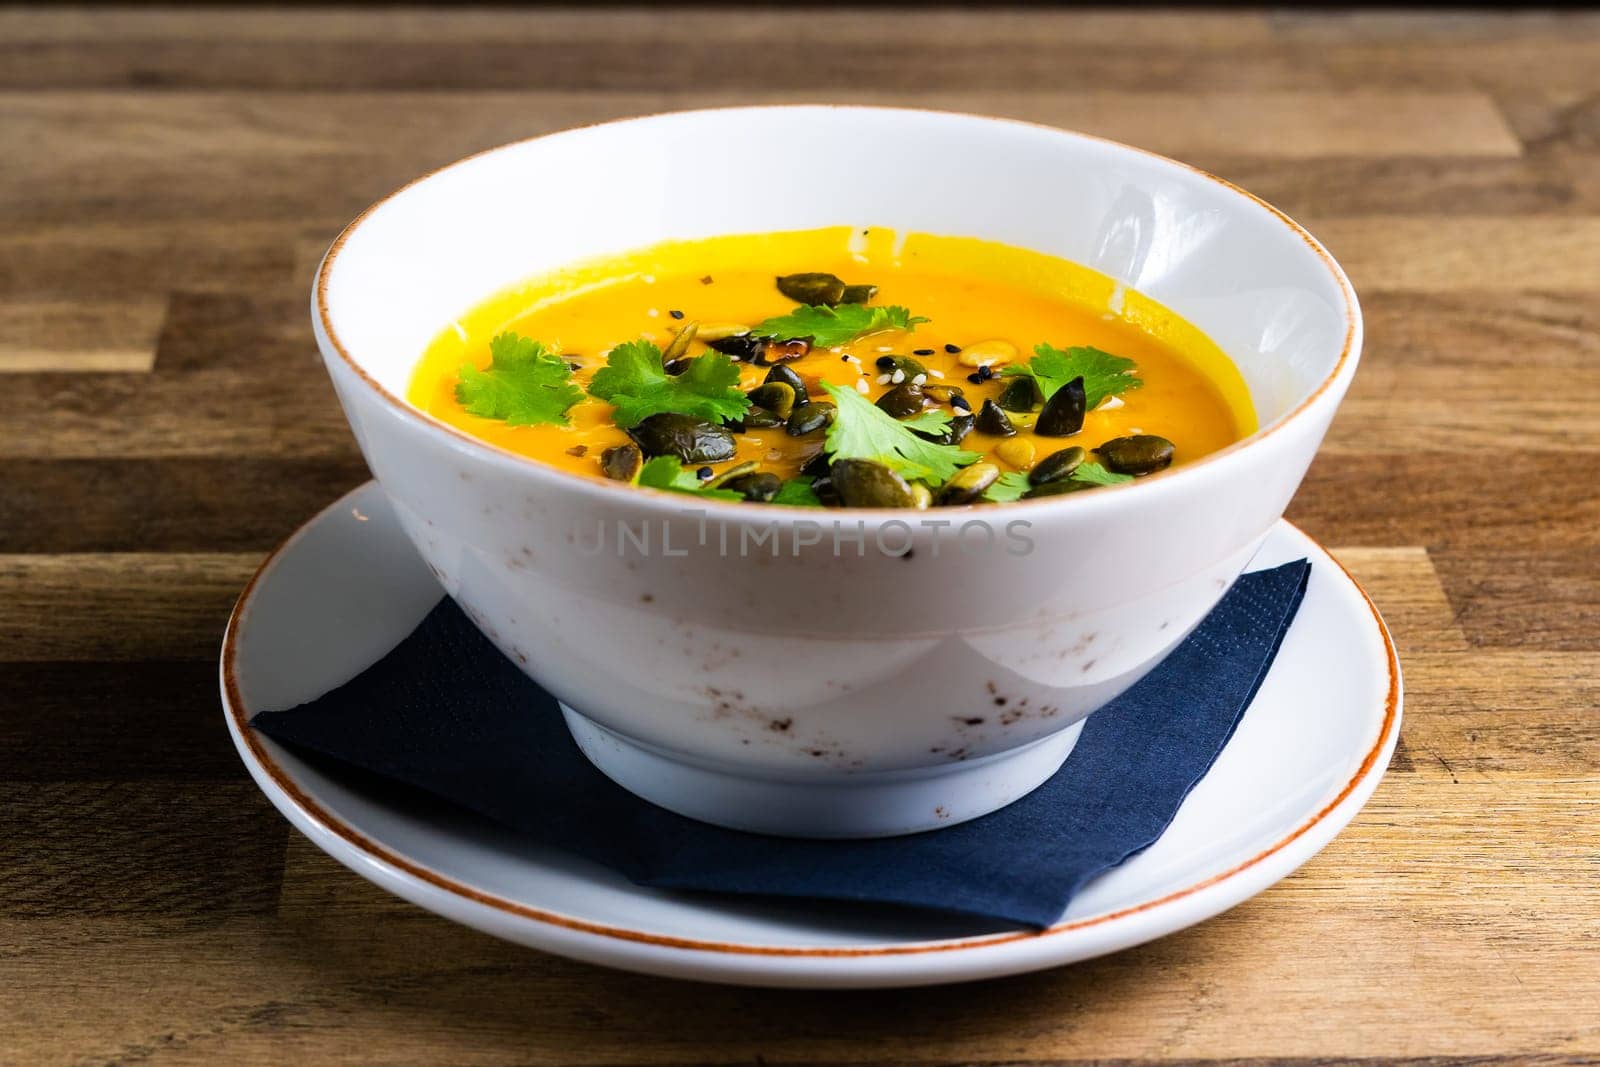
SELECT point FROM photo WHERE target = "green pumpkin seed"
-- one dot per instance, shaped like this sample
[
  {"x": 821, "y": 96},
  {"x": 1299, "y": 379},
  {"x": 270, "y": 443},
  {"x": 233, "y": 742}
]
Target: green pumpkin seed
[
  {"x": 993, "y": 421},
  {"x": 1062, "y": 415},
  {"x": 776, "y": 397},
  {"x": 680, "y": 342},
  {"x": 1143, "y": 453},
  {"x": 808, "y": 418},
  {"x": 812, "y": 288},
  {"x": 968, "y": 484},
  {"x": 692, "y": 440},
  {"x": 1022, "y": 394},
  {"x": 1057, "y": 465},
  {"x": 758, "y": 486},
  {"x": 622, "y": 462},
  {"x": 861, "y": 483},
  {"x": 858, "y": 294},
  {"x": 902, "y": 401}
]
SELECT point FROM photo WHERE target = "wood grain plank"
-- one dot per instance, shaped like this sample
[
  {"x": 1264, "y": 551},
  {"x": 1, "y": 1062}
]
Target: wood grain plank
[
  {"x": 1402, "y": 582},
  {"x": 1467, "y": 933},
  {"x": 118, "y": 606},
  {"x": 1490, "y": 254},
  {"x": 1545, "y": 599},
  {"x": 58, "y": 336},
  {"x": 147, "y": 849},
  {"x": 114, "y": 722},
  {"x": 164, "y": 505}
]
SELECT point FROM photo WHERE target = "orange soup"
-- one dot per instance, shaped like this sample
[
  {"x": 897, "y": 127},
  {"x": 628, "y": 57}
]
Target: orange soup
[{"x": 837, "y": 367}]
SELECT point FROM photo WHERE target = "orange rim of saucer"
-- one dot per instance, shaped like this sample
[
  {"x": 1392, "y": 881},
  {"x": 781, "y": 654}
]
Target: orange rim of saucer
[
  {"x": 404, "y": 865},
  {"x": 325, "y": 320}
]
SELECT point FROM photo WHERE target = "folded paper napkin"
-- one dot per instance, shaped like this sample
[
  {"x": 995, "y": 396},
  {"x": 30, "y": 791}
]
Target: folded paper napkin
[{"x": 446, "y": 713}]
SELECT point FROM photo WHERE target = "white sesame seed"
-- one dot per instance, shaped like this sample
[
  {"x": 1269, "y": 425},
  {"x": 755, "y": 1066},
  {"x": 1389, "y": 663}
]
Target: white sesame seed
[
  {"x": 1136, "y": 429},
  {"x": 852, "y": 359},
  {"x": 921, "y": 379},
  {"x": 886, "y": 348},
  {"x": 1112, "y": 402},
  {"x": 883, "y": 379},
  {"x": 898, "y": 376},
  {"x": 937, "y": 373},
  {"x": 654, "y": 313},
  {"x": 861, "y": 385}
]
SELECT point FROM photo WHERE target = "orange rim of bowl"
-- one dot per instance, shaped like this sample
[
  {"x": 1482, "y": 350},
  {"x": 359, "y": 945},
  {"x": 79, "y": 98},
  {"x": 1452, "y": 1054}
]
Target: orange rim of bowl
[
  {"x": 332, "y": 824},
  {"x": 461, "y": 437}
]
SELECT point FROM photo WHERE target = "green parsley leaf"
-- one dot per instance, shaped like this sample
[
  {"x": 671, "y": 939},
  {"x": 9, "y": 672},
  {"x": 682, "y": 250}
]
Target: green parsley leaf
[
  {"x": 1008, "y": 487},
  {"x": 665, "y": 472},
  {"x": 829, "y": 326},
  {"x": 524, "y": 384},
  {"x": 635, "y": 383},
  {"x": 862, "y": 430},
  {"x": 1012, "y": 485},
  {"x": 796, "y": 492},
  {"x": 1095, "y": 474},
  {"x": 1103, "y": 374}
]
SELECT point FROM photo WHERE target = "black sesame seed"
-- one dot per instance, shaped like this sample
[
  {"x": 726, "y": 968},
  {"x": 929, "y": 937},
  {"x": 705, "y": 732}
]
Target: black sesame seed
[
  {"x": 986, "y": 372},
  {"x": 676, "y": 314},
  {"x": 704, "y": 473},
  {"x": 960, "y": 403},
  {"x": 923, "y": 352},
  {"x": 952, "y": 349},
  {"x": 885, "y": 362},
  {"x": 975, "y": 378},
  {"x": 844, "y": 359}
]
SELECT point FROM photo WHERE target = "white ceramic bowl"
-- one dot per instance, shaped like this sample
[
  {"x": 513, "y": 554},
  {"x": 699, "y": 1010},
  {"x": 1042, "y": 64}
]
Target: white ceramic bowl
[{"x": 753, "y": 667}]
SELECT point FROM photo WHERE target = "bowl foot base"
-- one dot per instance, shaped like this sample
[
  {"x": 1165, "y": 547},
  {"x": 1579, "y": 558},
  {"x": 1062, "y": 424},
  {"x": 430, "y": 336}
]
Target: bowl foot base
[{"x": 857, "y": 805}]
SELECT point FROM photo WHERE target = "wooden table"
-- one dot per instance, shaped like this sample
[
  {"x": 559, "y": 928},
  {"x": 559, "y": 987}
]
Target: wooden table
[{"x": 167, "y": 181}]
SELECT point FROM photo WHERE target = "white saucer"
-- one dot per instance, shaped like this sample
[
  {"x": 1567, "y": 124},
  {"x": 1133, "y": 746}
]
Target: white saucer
[{"x": 347, "y": 586}]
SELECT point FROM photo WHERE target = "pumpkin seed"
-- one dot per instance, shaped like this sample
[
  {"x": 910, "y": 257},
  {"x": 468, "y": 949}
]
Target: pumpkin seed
[
  {"x": 987, "y": 353},
  {"x": 1062, "y": 415},
  {"x": 968, "y": 484},
  {"x": 692, "y": 440},
  {"x": 740, "y": 346},
  {"x": 622, "y": 462},
  {"x": 680, "y": 342},
  {"x": 677, "y": 366},
  {"x": 954, "y": 431},
  {"x": 1143, "y": 453},
  {"x": 759, "y": 486},
  {"x": 861, "y": 483},
  {"x": 910, "y": 369},
  {"x": 943, "y": 393},
  {"x": 736, "y": 471},
  {"x": 786, "y": 375},
  {"x": 902, "y": 401},
  {"x": 993, "y": 421},
  {"x": 1022, "y": 394},
  {"x": 1056, "y": 466},
  {"x": 858, "y": 294},
  {"x": 782, "y": 351},
  {"x": 1017, "y": 452},
  {"x": 776, "y": 397},
  {"x": 921, "y": 496},
  {"x": 720, "y": 331},
  {"x": 808, "y": 418},
  {"x": 812, "y": 288},
  {"x": 759, "y": 419}
]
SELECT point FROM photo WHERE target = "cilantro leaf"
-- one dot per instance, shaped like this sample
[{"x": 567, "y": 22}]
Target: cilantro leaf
[
  {"x": 634, "y": 382},
  {"x": 1008, "y": 487},
  {"x": 524, "y": 384},
  {"x": 796, "y": 492},
  {"x": 1013, "y": 485},
  {"x": 862, "y": 430},
  {"x": 1103, "y": 374},
  {"x": 665, "y": 472},
  {"x": 829, "y": 326},
  {"x": 1095, "y": 474}
]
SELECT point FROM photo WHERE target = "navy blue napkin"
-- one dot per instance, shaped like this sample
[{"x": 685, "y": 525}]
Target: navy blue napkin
[{"x": 446, "y": 713}]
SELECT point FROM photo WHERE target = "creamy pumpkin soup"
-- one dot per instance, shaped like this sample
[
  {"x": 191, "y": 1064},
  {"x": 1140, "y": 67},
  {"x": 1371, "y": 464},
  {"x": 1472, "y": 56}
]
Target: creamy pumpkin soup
[{"x": 837, "y": 367}]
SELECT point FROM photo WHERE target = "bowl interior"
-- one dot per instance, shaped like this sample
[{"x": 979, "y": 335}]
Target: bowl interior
[{"x": 1236, "y": 269}]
